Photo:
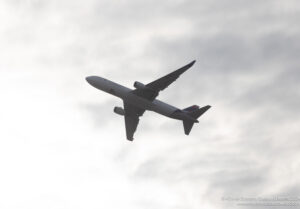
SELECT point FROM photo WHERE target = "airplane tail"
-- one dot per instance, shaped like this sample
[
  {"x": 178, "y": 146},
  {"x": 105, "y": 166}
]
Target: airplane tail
[{"x": 194, "y": 112}]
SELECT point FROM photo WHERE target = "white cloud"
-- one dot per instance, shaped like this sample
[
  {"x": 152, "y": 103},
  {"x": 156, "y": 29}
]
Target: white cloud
[{"x": 61, "y": 145}]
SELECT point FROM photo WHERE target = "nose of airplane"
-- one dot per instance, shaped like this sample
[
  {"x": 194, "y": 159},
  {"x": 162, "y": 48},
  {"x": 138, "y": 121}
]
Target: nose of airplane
[
  {"x": 88, "y": 78},
  {"x": 92, "y": 80}
]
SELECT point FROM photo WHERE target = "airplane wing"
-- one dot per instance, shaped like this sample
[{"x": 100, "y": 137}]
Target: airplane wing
[
  {"x": 132, "y": 115},
  {"x": 160, "y": 84}
]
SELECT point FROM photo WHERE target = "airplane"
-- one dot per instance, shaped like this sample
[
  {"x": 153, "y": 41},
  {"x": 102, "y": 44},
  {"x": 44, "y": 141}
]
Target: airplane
[{"x": 143, "y": 98}]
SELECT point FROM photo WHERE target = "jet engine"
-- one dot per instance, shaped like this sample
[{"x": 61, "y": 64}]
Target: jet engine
[
  {"x": 119, "y": 110},
  {"x": 139, "y": 85}
]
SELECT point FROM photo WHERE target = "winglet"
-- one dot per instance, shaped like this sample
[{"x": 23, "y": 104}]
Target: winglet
[
  {"x": 192, "y": 63},
  {"x": 184, "y": 68}
]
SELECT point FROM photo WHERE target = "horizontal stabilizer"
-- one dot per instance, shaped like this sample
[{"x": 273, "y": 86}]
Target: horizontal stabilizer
[{"x": 198, "y": 112}]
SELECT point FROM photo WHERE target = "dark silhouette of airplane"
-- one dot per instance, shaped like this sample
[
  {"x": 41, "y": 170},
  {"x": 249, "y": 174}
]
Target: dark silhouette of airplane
[{"x": 143, "y": 98}]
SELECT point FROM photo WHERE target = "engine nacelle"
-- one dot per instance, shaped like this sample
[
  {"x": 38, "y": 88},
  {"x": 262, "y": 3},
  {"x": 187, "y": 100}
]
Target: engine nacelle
[
  {"x": 139, "y": 85},
  {"x": 119, "y": 110}
]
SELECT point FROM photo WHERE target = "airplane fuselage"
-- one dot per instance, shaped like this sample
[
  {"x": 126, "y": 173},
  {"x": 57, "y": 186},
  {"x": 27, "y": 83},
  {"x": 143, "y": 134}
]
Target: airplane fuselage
[
  {"x": 127, "y": 95},
  {"x": 143, "y": 97}
]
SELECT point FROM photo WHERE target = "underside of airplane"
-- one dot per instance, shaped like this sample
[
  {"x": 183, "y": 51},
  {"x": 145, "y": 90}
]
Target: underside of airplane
[{"x": 143, "y": 98}]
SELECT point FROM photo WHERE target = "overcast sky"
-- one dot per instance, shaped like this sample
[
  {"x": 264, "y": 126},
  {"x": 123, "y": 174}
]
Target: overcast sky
[{"x": 61, "y": 145}]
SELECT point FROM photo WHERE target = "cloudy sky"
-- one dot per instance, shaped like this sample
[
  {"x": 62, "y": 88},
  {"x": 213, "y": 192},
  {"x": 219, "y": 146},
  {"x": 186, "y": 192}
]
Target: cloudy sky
[{"x": 61, "y": 145}]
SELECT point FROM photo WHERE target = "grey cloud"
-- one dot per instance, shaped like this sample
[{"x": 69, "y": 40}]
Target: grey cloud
[
  {"x": 248, "y": 181},
  {"x": 273, "y": 103},
  {"x": 225, "y": 54},
  {"x": 101, "y": 113},
  {"x": 225, "y": 173}
]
